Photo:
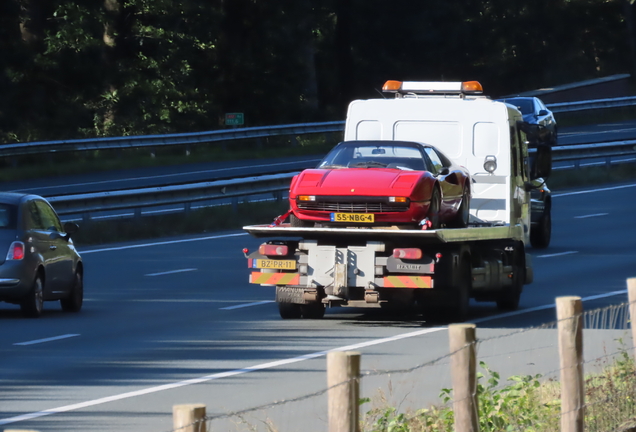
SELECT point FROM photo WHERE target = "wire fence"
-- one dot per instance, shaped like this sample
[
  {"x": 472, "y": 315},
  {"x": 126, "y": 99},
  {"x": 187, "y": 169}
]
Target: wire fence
[{"x": 518, "y": 385}]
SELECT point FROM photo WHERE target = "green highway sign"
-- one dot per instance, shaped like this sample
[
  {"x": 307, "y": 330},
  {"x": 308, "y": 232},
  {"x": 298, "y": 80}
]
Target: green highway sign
[{"x": 234, "y": 119}]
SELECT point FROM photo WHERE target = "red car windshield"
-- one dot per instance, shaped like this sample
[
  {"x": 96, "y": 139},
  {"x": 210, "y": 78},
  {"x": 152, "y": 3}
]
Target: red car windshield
[{"x": 374, "y": 155}]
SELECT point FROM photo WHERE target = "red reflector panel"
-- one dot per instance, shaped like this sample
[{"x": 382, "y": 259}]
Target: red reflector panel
[
  {"x": 275, "y": 278},
  {"x": 407, "y": 253},
  {"x": 272, "y": 249},
  {"x": 408, "y": 282},
  {"x": 16, "y": 251}
]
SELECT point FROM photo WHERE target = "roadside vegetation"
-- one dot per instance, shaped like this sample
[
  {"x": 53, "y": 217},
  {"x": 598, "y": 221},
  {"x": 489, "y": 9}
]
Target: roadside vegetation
[{"x": 523, "y": 403}]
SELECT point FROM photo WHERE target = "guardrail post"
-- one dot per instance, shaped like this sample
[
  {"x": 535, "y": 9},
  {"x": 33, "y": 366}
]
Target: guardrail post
[
  {"x": 463, "y": 364},
  {"x": 278, "y": 195},
  {"x": 235, "y": 204},
  {"x": 86, "y": 218},
  {"x": 187, "y": 207},
  {"x": 189, "y": 418},
  {"x": 570, "y": 330},
  {"x": 343, "y": 380},
  {"x": 631, "y": 295},
  {"x": 294, "y": 141}
]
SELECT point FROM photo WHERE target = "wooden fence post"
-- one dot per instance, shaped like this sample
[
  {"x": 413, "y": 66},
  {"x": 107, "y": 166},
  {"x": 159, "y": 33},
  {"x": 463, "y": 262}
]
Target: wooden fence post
[
  {"x": 631, "y": 295},
  {"x": 185, "y": 416},
  {"x": 463, "y": 364},
  {"x": 343, "y": 400},
  {"x": 570, "y": 328}
]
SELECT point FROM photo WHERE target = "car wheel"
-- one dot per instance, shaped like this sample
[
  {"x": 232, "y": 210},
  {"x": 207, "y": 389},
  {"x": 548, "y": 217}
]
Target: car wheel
[
  {"x": 73, "y": 303},
  {"x": 541, "y": 233},
  {"x": 33, "y": 303},
  {"x": 508, "y": 300},
  {"x": 463, "y": 213},
  {"x": 289, "y": 310},
  {"x": 299, "y": 223},
  {"x": 433, "y": 209},
  {"x": 313, "y": 310}
]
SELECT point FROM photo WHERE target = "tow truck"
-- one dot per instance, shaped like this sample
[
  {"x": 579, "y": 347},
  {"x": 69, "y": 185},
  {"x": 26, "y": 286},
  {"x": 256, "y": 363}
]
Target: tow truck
[{"x": 434, "y": 271}]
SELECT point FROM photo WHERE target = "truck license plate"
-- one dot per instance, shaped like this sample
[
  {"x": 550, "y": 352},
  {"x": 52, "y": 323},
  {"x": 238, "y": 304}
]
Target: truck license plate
[
  {"x": 352, "y": 217},
  {"x": 274, "y": 264}
]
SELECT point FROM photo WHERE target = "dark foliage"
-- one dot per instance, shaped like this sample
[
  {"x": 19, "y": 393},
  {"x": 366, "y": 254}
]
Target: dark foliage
[{"x": 73, "y": 69}]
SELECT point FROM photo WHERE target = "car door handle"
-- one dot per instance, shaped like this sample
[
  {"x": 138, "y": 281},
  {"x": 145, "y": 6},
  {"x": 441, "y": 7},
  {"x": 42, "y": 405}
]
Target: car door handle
[{"x": 52, "y": 247}]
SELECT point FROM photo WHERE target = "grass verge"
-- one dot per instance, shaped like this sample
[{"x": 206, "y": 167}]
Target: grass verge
[{"x": 526, "y": 403}]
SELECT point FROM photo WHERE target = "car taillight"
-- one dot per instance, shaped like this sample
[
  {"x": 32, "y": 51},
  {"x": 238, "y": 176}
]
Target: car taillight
[
  {"x": 407, "y": 253},
  {"x": 273, "y": 249},
  {"x": 16, "y": 251}
]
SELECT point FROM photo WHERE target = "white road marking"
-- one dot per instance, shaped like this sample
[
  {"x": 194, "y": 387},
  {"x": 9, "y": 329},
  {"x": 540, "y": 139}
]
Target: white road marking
[
  {"x": 594, "y": 190},
  {"x": 591, "y": 215},
  {"x": 269, "y": 365},
  {"x": 118, "y": 248},
  {"x": 172, "y": 272},
  {"x": 244, "y": 305},
  {"x": 557, "y": 254},
  {"x": 54, "y": 338}
]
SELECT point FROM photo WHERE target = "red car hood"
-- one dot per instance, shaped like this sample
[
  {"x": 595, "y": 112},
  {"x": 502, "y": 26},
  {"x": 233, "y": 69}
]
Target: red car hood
[{"x": 355, "y": 181}]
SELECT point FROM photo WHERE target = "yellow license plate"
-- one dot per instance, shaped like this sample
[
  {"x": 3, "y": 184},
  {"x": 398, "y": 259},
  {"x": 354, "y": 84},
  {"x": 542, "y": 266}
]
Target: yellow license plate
[
  {"x": 275, "y": 264},
  {"x": 352, "y": 217}
]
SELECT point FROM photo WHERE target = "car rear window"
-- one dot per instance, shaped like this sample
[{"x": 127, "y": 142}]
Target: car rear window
[{"x": 7, "y": 216}]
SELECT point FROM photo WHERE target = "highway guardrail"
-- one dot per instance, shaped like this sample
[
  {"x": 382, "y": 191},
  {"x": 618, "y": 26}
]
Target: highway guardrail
[
  {"x": 276, "y": 184},
  {"x": 42, "y": 147}
]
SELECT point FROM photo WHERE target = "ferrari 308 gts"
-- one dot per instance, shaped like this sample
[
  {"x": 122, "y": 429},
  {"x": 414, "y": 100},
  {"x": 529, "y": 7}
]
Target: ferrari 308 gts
[{"x": 382, "y": 183}]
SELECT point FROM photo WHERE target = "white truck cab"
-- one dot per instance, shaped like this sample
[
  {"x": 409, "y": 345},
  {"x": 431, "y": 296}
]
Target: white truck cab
[{"x": 481, "y": 134}]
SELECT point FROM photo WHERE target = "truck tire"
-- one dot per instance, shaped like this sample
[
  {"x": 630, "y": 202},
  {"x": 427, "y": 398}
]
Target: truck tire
[
  {"x": 299, "y": 223},
  {"x": 508, "y": 300},
  {"x": 541, "y": 233},
  {"x": 460, "y": 298},
  {"x": 312, "y": 310},
  {"x": 289, "y": 310}
]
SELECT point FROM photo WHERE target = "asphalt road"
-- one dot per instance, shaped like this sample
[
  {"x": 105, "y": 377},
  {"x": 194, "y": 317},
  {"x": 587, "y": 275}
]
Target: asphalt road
[
  {"x": 175, "y": 322},
  {"x": 198, "y": 172}
]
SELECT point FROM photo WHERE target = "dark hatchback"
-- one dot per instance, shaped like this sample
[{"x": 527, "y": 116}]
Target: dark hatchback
[{"x": 38, "y": 261}]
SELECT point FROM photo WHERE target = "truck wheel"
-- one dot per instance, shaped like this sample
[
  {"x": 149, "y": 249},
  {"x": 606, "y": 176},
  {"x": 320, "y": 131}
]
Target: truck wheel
[
  {"x": 541, "y": 233},
  {"x": 312, "y": 310},
  {"x": 460, "y": 300},
  {"x": 508, "y": 300},
  {"x": 33, "y": 303},
  {"x": 299, "y": 223},
  {"x": 289, "y": 310}
]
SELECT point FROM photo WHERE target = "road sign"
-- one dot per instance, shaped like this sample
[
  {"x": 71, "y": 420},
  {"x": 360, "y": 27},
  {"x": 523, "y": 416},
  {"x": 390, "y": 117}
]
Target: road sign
[{"x": 234, "y": 119}]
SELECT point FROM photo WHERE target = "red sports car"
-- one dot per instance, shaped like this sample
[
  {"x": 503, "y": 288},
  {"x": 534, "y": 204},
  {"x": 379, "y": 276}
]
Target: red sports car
[{"x": 375, "y": 183}]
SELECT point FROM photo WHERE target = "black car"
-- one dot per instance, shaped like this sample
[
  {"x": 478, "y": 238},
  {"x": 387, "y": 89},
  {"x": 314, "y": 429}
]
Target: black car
[
  {"x": 534, "y": 111},
  {"x": 38, "y": 261}
]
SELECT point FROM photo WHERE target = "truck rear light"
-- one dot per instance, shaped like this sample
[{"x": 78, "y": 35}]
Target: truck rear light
[
  {"x": 407, "y": 253},
  {"x": 273, "y": 249},
  {"x": 16, "y": 251}
]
